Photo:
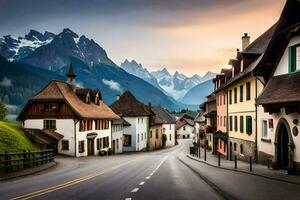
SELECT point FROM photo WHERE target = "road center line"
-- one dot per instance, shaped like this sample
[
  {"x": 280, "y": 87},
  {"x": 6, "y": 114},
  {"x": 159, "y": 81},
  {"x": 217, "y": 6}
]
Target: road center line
[
  {"x": 69, "y": 183},
  {"x": 142, "y": 183},
  {"x": 135, "y": 190}
]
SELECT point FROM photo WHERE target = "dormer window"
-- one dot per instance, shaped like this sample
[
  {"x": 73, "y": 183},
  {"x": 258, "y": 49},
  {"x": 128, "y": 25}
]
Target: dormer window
[
  {"x": 88, "y": 100},
  {"x": 49, "y": 107},
  {"x": 294, "y": 58},
  {"x": 97, "y": 100}
]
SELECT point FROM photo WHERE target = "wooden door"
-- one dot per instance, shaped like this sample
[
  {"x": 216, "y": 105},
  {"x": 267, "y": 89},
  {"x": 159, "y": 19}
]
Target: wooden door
[{"x": 90, "y": 147}]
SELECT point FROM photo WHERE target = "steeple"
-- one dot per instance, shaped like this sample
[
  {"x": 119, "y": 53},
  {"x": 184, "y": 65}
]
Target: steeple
[{"x": 71, "y": 75}]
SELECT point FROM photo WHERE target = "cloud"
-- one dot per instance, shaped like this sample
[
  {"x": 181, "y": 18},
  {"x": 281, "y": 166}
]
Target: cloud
[
  {"x": 112, "y": 85},
  {"x": 6, "y": 82}
]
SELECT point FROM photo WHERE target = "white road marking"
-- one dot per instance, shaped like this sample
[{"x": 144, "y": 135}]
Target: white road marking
[
  {"x": 148, "y": 177},
  {"x": 128, "y": 199},
  {"x": 153, "y": 171},
  {"x": 151, "y": 174},
  {"x": 135, "y": 190},
  {"x": 142, "y": 183}
]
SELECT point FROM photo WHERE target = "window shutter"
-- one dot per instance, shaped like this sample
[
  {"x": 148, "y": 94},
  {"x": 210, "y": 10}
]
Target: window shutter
[
  {"x": 249, "y": 125},
  {"x": 292, "y": 58}
]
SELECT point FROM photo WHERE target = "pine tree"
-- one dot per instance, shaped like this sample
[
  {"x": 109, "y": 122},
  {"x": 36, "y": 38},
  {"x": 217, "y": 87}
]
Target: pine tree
[{"x": 3, "y": 111}]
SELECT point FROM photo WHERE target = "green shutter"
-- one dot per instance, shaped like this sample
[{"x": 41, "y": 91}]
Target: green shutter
[
  {"x": 292, "y": 59},
  {"x": 242, "y": 124},
  {"x": 249, "y": 125}
]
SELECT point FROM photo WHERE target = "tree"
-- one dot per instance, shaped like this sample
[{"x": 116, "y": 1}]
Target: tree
[{"x": 3, "y": 111}]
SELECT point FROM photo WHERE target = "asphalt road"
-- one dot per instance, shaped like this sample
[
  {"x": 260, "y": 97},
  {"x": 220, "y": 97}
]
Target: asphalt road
[{"x": 165, "y": 174}]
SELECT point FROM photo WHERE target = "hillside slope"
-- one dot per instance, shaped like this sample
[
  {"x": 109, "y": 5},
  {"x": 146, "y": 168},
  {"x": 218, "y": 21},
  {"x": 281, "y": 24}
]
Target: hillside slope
[{"x": 13, "y": 139}]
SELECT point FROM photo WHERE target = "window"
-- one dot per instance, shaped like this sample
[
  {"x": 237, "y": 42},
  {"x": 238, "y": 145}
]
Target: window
[
  {"x": 221, "y": 121},
  {"x": 99, "y": 143},
  {"x": 241, "y": 93},
  {"x": 242, "y": 124},
  {"x": 170, "y": 136},
  {"x": 117, "y": 144},
  {"x": 294, "y": 58},
  {"x": 184, "y": 128},
  {"x": 102, "y": 124},
  {"x": 127, "y": 140},
  {"x": 248, "y": 91},
  {"x": 49, "y": 107},
  {"x": 150, "y": 134},
  {"x": 241, "y": 149},
  {"x": 170, "y": 127},
  {"x": 65, "y": 145},
  {"x": 224, "y": 120},
  {"x": 217, "y": 120},
  {"x": 142, "y": 137},
  {"x": 142, "y": 120},
  {"x": 235, "y": 95},
  {"x": 265, "y": 129},
  {"x": 145, "y": 135},
  {"x": 234, "y": 146},
  {"x": 235, "y": 124},
  {"x": 249, "y": 125},
  {"x": 230, "y": 123},
  {"x": 81, "y": 146},
  {"x": 49, "y": 124},
  {"x": 85, "y": 125},
  {"x": 164, "y": 130},
  {"x": 156, "y": 133},
  {"x": 224, "y": 100},
  {"x": 105, "y": 142},
  {"x": 230, "y": 97}
]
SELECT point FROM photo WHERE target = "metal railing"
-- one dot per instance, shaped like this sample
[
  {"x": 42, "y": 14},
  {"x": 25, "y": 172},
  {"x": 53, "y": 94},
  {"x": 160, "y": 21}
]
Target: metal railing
[{"x": 10, "y": 162}]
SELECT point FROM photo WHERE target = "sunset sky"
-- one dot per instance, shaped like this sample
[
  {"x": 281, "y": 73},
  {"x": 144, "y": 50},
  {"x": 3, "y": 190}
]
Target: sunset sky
[{"x": 191, "y": 36}]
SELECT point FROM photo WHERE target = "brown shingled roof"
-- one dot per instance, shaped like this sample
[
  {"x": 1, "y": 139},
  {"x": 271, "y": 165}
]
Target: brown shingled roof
[
  {"x": 59, "y": 90},
  {"x": 281, "y": 89},
  {"x": 129, "y": 106},
  {"x": 164, "y": 115}
]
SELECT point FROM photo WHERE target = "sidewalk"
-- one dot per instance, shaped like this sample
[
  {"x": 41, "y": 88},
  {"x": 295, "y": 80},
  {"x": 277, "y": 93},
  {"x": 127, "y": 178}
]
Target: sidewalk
[{"x": 244, "y": 167}]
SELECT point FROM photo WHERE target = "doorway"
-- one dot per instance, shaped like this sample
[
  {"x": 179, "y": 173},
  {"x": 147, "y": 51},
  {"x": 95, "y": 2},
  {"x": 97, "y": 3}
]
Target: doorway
[
  {"x": 283, "y": 147},
  {"x": 90, "y": 143}
]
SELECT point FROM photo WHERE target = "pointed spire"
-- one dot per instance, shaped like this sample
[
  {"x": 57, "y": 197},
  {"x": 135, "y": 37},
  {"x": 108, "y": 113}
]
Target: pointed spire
[{"x": 71, "y": 75}]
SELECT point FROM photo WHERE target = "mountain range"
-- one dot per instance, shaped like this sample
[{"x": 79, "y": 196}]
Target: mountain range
[
  {"x": 28, "y": 63},
  {"x": 176, "y": 85}
]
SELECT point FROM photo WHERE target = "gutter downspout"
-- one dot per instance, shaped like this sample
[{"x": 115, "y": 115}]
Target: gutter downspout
[
  {"x": 75, "y": 137},
  {"x": 256, "y": 146}
]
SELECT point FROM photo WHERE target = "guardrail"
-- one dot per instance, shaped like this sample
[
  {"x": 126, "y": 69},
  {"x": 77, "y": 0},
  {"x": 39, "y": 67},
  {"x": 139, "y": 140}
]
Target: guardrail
[{"x": 10, "y": 162}]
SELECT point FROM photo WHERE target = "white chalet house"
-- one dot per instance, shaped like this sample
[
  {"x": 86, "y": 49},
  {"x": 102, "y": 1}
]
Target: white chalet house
[
  {"x": 185, "y": 127},
  {"x": 117, "y": 134},
  {"x": 135, "y": 137},
  {"x": 76, "y": 118},
  {"x": 168, "y": 124}
]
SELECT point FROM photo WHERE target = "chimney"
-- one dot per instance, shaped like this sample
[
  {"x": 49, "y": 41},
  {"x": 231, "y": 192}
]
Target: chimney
[
  {"x": 245, "y": 41},
  {"x": 118, "y": 97}
]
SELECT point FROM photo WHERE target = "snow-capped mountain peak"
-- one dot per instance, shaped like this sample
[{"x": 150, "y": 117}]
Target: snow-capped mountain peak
[{"x": 35, "y": 47}]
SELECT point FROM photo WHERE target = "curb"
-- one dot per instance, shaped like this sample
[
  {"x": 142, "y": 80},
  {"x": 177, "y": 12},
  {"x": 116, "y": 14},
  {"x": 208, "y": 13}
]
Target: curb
[
  {"x": 28, "y": 172},
  {"x": 245, "y": 172},
  {"x": 222, "y": 193}
]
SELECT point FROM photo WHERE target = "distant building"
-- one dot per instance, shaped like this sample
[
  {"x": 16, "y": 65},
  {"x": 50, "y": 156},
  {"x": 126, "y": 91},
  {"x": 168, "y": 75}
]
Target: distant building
[
  {"x": 135, "y": 137},
  {"x": 200, "y": 123},
  {"x": 117, "y": 129},
  {"x": 185, "y": 126},
  {"x": 210, "y": 113},
  {"x": 76, "y": 118},
  {"x": 167, "y": 124}
]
